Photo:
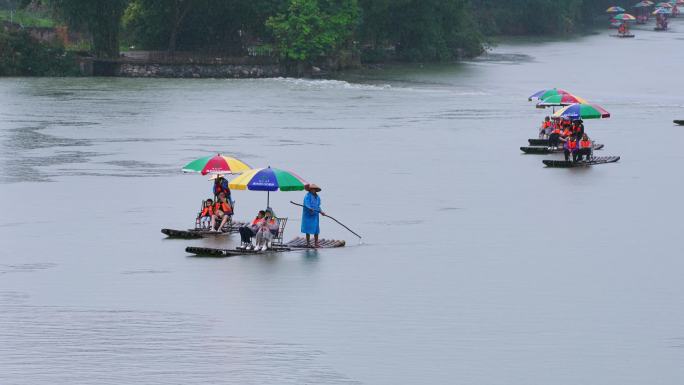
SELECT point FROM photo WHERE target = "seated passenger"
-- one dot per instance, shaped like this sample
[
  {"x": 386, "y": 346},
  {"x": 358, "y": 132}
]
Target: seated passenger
[
  {"x": 570, "y": 148},
  {"x": 577, "y": 129},
  {"x": 585, "y": 148},
  {"x": 545, "y": 126},
  {"x": 250, "y": 230},
  {"x": 566, "y": 132},
  {"x": 554, "y": 138},
  {"x": 206, "y": 214},
  {"x": 267, "y": 229},
  {"x": 222, "y": 212},
  {"x": 622, "y": 29}
]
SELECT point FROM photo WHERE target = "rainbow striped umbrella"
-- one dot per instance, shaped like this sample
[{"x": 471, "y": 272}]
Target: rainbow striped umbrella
[
  {"x": 543, "y": 94},
  {"x": 624, "y": 17},
  {"x": 560, "y": 100},
  {"x": 662, "y": 11},
  {"x": 664, "y": 5},
  {"x": 216, "y": 164},
  {"x": 268, "y": 179},
  {"x": 582, "y": 111},
  {"x": 615, "y": 9}
]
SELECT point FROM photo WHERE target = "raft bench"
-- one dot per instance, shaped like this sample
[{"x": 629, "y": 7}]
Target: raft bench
[{"x": 278, "y": 237}]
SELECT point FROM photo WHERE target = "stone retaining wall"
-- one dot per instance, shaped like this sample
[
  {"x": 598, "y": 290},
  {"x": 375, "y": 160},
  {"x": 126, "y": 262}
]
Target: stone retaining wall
[{"x": 145, "y": 70}]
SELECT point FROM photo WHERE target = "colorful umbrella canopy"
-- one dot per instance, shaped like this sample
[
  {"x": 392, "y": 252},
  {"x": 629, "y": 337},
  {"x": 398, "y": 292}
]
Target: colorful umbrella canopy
[
  {"x": 624, "y": 17},
  {"x": 560, "y": 100},
  {"x": 583, "y": 111},
  {"x": 268, "y": 179},
  {"x": 642, "y": 4},
  {"x": 662, "y": 11},
  {"x": 216, "y": 164},
  {"x": 615, "y": 9},
  {"x": 664, "y": 5},
  {"x": 543, "y": 94}
]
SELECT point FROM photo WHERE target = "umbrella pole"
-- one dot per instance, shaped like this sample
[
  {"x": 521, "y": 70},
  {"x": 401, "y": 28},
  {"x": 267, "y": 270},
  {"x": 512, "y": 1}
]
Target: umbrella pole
[{"x": 268, "y": 199}]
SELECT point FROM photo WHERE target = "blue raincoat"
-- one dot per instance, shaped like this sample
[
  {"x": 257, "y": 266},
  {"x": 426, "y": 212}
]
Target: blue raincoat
[{"x": 309, "y": 219}]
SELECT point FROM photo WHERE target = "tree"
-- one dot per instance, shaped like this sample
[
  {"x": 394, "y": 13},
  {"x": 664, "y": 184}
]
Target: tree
[
  {"x": 312, "y": 28},
  {"x": 421, "y": 29},
  {"x": 102, "y": 18}
]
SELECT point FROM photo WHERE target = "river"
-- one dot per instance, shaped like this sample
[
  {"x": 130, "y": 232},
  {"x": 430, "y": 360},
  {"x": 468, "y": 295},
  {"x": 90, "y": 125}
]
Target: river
[{"x": 478, "y": 265}]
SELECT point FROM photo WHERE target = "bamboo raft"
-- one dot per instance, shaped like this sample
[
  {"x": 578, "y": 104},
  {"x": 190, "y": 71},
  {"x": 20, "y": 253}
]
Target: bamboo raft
[
  {"x": 548, "y": 150},
  {"x": 678, "y": 122},
  {"x": 538, "y": 142},
  {"x": 201, "y": 233},
  {"x": 298, "y": 243},
  {"x": 581, "y": 163}
]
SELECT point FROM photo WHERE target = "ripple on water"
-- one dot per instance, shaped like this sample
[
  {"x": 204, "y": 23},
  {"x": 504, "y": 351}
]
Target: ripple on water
[
  {"x": 25, "y": 267},
  {"x": 58, "y": 345}
]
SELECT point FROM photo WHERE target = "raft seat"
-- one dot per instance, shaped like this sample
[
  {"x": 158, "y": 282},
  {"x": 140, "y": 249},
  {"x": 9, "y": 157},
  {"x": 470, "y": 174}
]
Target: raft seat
[{"x": 278, "y": 237}]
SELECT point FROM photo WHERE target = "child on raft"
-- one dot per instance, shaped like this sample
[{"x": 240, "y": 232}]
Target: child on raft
[{"x": 206, "y": 214}]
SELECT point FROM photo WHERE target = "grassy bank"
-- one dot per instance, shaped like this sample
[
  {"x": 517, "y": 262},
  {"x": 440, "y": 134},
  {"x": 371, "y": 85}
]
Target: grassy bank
[{"x": 27, "y": 19}]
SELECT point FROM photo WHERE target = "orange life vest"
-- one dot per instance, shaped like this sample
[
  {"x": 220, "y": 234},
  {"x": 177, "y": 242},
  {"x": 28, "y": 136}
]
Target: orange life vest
[
  {"x": 567, "y": 132},
  {"x": 556, "y": 131},
  {"x": 207, "y": 211},
  {"x": 585, "y": 144},
  {"x": 222, "y": 206},
  {"x": 572, "y": 145},
  {"x": 546, "y": 125}
]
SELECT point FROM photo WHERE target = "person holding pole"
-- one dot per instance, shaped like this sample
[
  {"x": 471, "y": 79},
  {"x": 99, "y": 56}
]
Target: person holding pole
[{"x": 312, "y": 207}]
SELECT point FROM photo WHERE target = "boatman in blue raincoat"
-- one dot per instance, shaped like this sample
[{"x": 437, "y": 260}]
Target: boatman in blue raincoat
[{"x": 312, "y": 207}]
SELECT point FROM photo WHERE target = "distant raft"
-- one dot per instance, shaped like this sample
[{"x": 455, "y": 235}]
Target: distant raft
[
  {"x": 580, "y": 163},
  {"x": 679, "y": 122},
  {"x": 547, "y": 150}
]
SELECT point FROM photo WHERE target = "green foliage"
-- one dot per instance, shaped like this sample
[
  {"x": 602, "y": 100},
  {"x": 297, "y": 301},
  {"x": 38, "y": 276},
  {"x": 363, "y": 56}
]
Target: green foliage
[
  {"x": 537, "y": 17},
  {"x": 190, "y": 25},
  {"x": 420, "y": 29},
  {"x": 20, "y": 55},
  {"x": 102, "y": 18},
  {"x": 27, "y": 18},
  {"x": 306, "y": 31},
  {"x": 310, "y": 29}
]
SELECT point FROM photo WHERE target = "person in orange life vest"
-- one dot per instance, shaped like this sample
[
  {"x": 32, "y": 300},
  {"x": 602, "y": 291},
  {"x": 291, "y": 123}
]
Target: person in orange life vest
[
  {"x": 585, "y": 148},
  {"x": 545, "y": 128},
  {"x": 577, "y": 128},
  {"x": 221, "y": 186},
  {"x": 566, "y": 134},
  {"x": 222, "y": 212},
  {"x": 570, "y": 148},
  {"x": 267, "y": 229},
  {"x": 207, "y": 213},
  {"x": 250, "y": 230},
  {"x": 554, "y": 137},
  {"x": 622, "y": 29}
]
